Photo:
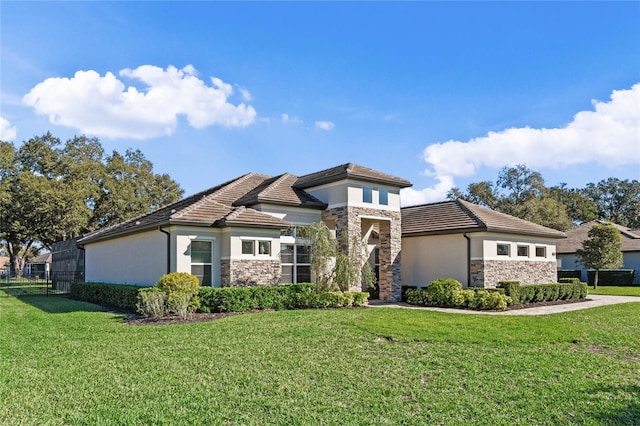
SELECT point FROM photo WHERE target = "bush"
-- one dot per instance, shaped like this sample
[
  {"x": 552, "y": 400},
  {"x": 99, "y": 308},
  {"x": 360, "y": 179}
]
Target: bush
[
  {"x": 573, "y": 273},
  {"x": 612, "y": 277},
  {"x": 511, "y": 289},
  {"x": 441, "y": 291},
  {"x": 151, "y": 302},
  {"x": 120, "y": 296},
  {"x": 179, "y": 302},
  {"x": 181, "y": 288},
  {"x": 403, "y": 293},
  {"x": 470, "y": 298}
]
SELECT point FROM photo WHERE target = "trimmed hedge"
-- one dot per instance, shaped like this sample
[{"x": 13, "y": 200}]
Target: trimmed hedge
[
  {"x": 118, "y": 296},
  {"x": 569, "y": 273},
  {"x": 289, "y": 296},
  {"x": 447, "y": 292},
  {"x": 569, "y": 288},
  {"x": 612, "y": 277},
  {"x": 226, "y": 299}
]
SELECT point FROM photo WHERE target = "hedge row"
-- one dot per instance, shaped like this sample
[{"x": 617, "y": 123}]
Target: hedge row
[
  {"x": 447, "y": 292},
  {"x": 226, "y": 299},
  {"x": 566, "y": 289},
  {"x": 289, "y": 296},
  {"x": 124, "y": 297},
  {"x": 613, "y": 277}
]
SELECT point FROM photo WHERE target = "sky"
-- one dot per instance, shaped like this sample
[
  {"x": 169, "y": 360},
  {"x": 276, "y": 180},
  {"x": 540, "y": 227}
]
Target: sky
[{"x": 440, "y": 94}]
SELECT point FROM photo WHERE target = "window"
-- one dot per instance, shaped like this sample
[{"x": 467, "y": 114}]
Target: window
[
  {"x": 367, "y": 194},
  {"x": 247, "y": 247},
  {"x": 383, "y": 197},
  {"x": 201, "y": 261},
  {"x": 264, "y": 247},
  {"x": 523, "y": 251},
  {"x": 541, "y": 252},
  {"x": 503, "y": 249},
  {"x": 296, "y": 263}
]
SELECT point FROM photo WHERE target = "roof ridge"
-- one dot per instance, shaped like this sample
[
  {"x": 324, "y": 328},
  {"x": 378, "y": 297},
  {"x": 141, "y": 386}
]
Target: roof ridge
[
  {"x": 234, "y": 213},
  {"x": 273, "y": 185},
  {"x": 474, "y": 216}
]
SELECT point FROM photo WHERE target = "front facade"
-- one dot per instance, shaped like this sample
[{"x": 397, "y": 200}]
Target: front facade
[
  {"x": 242, "y": 232},
  {"x": 474, "y": 245}
]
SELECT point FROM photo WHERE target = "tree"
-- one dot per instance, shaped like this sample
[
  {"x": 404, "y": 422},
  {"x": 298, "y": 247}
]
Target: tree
[
  {"x": 578, "y": 206},
  {"x": 616, "y": 200},
  {"x": 602, "y": 250}
]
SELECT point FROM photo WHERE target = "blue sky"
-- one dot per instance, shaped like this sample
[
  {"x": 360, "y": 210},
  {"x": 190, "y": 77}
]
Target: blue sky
[{"x": 440, "y": 94}]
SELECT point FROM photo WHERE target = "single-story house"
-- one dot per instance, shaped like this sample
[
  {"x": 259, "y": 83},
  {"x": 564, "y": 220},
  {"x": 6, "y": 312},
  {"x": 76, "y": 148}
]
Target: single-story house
[
  {"x": 243, "y": 232},
  {"x": 567, "y": 259},
  {"x": 475, "y": 245},
  {"x": 38, "y": 267},
  {"x": 4, "y": 264}
]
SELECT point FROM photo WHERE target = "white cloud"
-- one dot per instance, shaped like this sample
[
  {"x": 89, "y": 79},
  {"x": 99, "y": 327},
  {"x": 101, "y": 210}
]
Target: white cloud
[
  {"x": 7, "y": 133},
  {"x": 246, "y": 95},
  {"x": 325, "y": 125},
  {"x": 609, "y": 135},
  {"x": 103, "y": 106},
  {"x": 287, "y": 119}
]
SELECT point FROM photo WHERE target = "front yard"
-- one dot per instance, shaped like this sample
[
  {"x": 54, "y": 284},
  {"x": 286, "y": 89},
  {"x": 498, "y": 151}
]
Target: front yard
[{"x": 67, "y": 362}]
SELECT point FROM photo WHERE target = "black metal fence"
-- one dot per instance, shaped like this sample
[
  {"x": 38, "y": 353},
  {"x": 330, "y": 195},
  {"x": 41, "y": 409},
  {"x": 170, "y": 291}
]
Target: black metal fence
[{"x": 38, "y": 284}]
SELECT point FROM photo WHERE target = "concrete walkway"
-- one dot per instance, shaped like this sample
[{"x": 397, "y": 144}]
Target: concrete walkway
[{"x": 592, "y": 301}]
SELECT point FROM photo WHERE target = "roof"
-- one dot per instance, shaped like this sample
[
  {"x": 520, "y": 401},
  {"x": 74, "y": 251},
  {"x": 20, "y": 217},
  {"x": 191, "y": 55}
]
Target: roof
[
  {"x": 350, "y": 171},
  {"x": 230, "y": 203},
  {"x": 452, "y": 217},
  {"x": 576, "y": 236},
  {"x": 43, "y": 258}
]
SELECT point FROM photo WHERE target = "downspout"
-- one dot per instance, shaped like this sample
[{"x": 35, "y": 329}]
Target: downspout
[
  {"x": 168, "y": 248},
  {"x": 468, "y": 258}
]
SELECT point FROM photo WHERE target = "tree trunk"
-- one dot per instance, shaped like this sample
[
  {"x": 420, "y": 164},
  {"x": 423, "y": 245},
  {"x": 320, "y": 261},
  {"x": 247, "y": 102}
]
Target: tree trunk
[{"x": 595, "y": 280}]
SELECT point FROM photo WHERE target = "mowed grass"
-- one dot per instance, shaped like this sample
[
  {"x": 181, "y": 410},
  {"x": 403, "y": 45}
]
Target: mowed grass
[
  {"x": 66, "y": 362},
  {"x": 616, "y": 291}
]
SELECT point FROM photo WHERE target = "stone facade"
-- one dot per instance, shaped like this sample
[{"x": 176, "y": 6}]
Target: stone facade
[
  {"x": 349, "y": 219},
  {"x": 250, "y": 272},
  {"x": 488, "y": 273}
]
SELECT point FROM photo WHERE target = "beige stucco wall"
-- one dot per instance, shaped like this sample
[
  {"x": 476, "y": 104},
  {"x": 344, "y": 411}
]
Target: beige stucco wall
[
  {"x": 425, "y": 259},
  {"x": 295, "y": 215},
  {"x": 490, "y": 241},
  {"x": 631, "y": 260},
  {"x": 182, "y": 236},
  {"x": 136, "y": 259},
  {"x": 349, "y": 192}
]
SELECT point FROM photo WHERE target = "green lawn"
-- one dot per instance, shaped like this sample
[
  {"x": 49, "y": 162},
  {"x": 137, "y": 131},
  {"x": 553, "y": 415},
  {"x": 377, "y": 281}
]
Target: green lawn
[
  {"x": 616, "y": 291},
  {"x": 65, "y": 362}
]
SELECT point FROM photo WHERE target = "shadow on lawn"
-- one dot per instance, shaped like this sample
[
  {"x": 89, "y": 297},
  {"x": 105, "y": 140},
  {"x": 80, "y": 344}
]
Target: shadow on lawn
[
  {"x": 60, "y": 304},
  {"x": 627, "y": 414}
]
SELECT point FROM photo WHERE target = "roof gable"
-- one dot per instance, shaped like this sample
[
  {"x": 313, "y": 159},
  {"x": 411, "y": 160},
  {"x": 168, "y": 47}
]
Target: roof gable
[
  {"x": 280, "y": 190},
  {"x": 459, "y": 216}
]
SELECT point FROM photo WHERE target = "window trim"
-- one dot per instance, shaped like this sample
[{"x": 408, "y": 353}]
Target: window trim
[
  {"x": 526, "y": 249},
  {"x": 386, "y": 196},
  {"x": 210, "y": 263},
  {"x": 507, "y": 245},
  {"x": 258, "y": 243},
  {"x": 544, "y": 251},
  {"x": 253, "y": 247},
  {"x": 294, "y": 264},
  {"x": 367, "y": 190}
]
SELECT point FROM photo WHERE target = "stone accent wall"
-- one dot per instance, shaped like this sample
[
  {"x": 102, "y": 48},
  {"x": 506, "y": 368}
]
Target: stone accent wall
[
  {"x": 250, "y": 272},
  {"x": 488, "y": 273},
  {"x": 348, "y": 219}
]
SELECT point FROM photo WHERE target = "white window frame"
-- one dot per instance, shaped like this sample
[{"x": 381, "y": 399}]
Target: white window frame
[
  {"x": 257, "y": 248},
  {"x": 210, "y": 263},
  {"x": 253, "y": 247},
  {"x": 508, "y": 249},
  {"x": 544, "y": 251},
  {"x": 525, "y": 247},
  {"x": 386, "y": 197},
  {"x": 368, "y": 189}
]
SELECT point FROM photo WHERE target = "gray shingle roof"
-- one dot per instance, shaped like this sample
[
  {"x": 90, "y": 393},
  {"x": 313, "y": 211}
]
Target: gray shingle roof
[
  {"x": 350, "y": 171},
  {"x": 450, "y": 217},
  {"x": 575, "y": 237},
  {"x": 280, "y": 190}
]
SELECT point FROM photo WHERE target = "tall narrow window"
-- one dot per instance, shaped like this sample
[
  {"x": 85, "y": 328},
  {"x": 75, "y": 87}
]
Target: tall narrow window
[
  {"x": 296, "y": 263},
  {"x": 201, "y": 261},
  {"x": 383, "y": 197},
  {"x": 367, "y": 194}
]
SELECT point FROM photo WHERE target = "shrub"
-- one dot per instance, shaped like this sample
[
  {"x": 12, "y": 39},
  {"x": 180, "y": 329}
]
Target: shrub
[
  {"x": 151, "y": 302},
  {"x": 179, "y": 303},
  {"x": 124, "y": 297},
  {"x": 468, "y": 298},
  {"x": 441, "y": 291},
  {"x": 612, "y": 277},
  {"x": 511, "y": 289},
  {"x": 181, "y": 288},
  {"x": 403, "y": 293},
  {"x": 573, "y": 273},
  {"x": 418, "y": 296},
  {"x": 360, "y": 298}
]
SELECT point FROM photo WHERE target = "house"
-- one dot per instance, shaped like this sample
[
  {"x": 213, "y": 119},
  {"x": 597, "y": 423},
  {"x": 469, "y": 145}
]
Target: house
[
  {"x": 243, "y": 232},
  {"x": 476, "y": 246},
  {"x": 567, "y": 259},
  {"x": 4, "y": 265},
  {"x": 38, "y": 267}
]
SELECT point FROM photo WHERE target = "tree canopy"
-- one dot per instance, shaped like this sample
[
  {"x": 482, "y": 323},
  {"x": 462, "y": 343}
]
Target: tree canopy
[
  {"x": 50, "y": 191},
  {"x": 521, "y": 192}
]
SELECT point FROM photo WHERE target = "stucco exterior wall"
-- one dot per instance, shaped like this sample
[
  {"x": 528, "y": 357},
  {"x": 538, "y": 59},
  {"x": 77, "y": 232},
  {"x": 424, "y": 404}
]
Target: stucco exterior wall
[
  {"x": 631, "y": 260},
  {"x": 427, "y": 258},
  {"x": 349, "y": 192},
  {"x": 136, "y": 259},
  {"x": 297, "y": 216},
  {"x": 181, "y": 238}
]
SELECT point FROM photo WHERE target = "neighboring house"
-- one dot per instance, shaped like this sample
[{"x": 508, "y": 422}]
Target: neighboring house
[
  {"x": 567, "y": 259},
  {"x": 38, "y": 267},
  {"x": 4, "y": 264},
  {"x": 476, "y": 246},
  {"x": 242, "y": 232}
]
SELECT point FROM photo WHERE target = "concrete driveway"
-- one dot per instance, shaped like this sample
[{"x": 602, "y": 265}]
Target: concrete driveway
[{"x": 592, "y": 301}]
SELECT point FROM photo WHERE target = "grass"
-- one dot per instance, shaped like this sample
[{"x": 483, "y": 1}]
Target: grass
[
  {"x": 66, "y": 362},
  {"x": 616, "y": 291}
]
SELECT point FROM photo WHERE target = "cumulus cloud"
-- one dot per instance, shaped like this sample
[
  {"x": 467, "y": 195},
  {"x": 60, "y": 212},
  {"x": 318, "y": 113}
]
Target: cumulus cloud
[
  {"x": 609, "y": 135},
  {"x": 104, "y": 106},
  {"x": 325, "y": 125},
  {"x": 7, "y": 132}
]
